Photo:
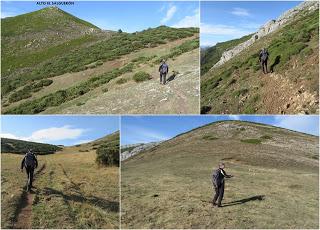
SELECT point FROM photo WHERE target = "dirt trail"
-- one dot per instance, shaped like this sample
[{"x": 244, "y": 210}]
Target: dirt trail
[
  {"x": 280, "y": 95},
  {"x": 24, "y": 210}
]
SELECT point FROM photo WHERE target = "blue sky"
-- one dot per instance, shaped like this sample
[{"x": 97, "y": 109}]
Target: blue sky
[
  {"x": 144, "y": 129},
  {"x": 128, "y": 16},
  {"x": 65, "y": 130},
  {"x": 223, "y": 21}
]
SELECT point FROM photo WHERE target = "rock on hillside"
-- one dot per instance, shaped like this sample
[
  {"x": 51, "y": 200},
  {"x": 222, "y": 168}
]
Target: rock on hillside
[
  {"x": 138, "y": 149},
  {"x": 269, "y": 27}
]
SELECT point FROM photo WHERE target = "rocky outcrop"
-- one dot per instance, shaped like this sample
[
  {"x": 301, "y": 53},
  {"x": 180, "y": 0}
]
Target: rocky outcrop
[
  {"x": 269, "y": 27},
  {"x": 138, "y": 149}
]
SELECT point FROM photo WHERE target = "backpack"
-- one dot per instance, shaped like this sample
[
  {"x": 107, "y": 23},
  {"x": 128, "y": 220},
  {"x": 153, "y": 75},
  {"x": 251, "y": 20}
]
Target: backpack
[
  {"x": 29, "y": 160},
  {"x": 264, "y": 55},
  {"x": 215, "y": 176},
  {"x": 164, "y": 68}
]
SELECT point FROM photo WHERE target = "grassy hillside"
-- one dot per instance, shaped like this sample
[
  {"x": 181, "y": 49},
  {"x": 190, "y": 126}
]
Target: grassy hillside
[
  {"x": 30, "y": 74},
  {"x": 275, "y": 182},
  {"x": 21, "y": 147},
  {"x": 211, "y": 55},
  {"x": 69, "y": 183},
  {"x": 239, "y": 86}
]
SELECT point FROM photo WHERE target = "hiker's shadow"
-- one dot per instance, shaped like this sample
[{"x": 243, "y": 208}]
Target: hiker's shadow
[
  {"x": 245, "y": 200},
  {"x": 276, "y": 62},
  {"x": 172, "y": 77},
  {"x": 93, "y": 200}
]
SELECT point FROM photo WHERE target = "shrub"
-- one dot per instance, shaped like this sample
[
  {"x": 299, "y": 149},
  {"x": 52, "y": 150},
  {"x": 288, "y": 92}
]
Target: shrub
[
  {"x": 108, "y": 155},
  {"x": 209, "y": 137},
  {"x": 266, "y": 137},
  {"x": 141, "y": 76},
  {"x": 252, "y": 141},
  {"x": 121, "y": 81}
]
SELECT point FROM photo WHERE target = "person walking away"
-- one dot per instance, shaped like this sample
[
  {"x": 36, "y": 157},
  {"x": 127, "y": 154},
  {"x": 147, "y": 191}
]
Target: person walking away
[
  {"x": 263, "y": 58},
  {"x": 218, "y": 176},
  {"x": 163, "y": 70},
  {"x": 30, "y": 162}
]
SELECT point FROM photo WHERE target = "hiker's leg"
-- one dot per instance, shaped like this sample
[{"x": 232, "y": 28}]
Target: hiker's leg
[
  {"x": 216, "y": 195},
  {"x": 28, "y": 178},
  {"x": 164, "y": 78},
  {"x": 266, "y": 66},
  {"x": 160, "y": 78},
  {"x": 221, "y": 193},
  {"x": 31, "y": 176}
]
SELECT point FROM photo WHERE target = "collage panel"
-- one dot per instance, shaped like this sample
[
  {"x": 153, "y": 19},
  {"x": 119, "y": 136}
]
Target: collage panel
[
  {"x": 217, "y": 172},
  {"x": 259, "y": 57},
  {"x": 78, "y": 59},
  {"x": 69, "y": 172}
]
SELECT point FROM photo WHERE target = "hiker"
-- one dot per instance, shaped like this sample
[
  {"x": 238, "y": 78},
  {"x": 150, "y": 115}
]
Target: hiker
[
  {"x": 263, "y": 59},
  {"x": 30, "y": 162},
  {"x": 163, "y": 70},
  {"x": 218, "y": 176}
]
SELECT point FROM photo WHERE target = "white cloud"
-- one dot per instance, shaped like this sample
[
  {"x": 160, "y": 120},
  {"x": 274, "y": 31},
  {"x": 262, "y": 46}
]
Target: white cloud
[
  {"x": 212, "y": 29},
  {"x": 136, "y": 134},
  {"x": 189, "y": 21},
  {"x": 8, "y": 135},
  {"x": 240, "y": 12},
  {"x": 298, "y": 123},
  {"x": 50, "y": 134},
  {"x": 82, "y": 141},
  {"x": 170, "y": 12}
]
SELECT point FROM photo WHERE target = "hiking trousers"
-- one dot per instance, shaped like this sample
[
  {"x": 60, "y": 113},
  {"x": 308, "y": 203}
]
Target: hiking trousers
[
  {"x": 30, "y": 171},
  {"x": 264, "y": 65},
  {"x": 163, "y": 78},
  {"x": 219, "y": 192}
]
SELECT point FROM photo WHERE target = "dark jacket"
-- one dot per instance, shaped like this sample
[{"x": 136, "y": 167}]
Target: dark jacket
[
  {"x": 218, "y": 176},
  {"x": 263, "y": 55},
  {"x": 29, "y": 160},
  {"x": 164, "y": 68}
]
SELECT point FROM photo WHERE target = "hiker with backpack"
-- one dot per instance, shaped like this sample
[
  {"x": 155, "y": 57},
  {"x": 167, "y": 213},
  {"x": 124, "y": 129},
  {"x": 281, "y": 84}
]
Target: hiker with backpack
[
  {"x": 218, "y": 176},
  {"x": 263, "y": 59},
  {"x": 163, "y": 70},
  {"x": 30, "y": 162}
]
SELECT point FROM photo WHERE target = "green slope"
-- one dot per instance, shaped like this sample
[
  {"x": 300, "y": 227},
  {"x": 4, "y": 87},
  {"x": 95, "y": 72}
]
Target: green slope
[
  {"x": 238, "y": 86},
  {"x": 275, "y": 183},
  {"x": 21, "y": 147},
  {"x": 211, "y": 55}
]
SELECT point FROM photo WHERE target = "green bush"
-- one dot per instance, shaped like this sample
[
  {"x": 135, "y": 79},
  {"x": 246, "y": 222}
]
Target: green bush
[
  {"x": 209, "y": 137},
  {"x": 108, "y": 155},
  {"x": 266, "y": 137},
  {"x": 121, "y": 81},
  {"x": 252, "y": 141},
  {"x": 141, "y": 76}
]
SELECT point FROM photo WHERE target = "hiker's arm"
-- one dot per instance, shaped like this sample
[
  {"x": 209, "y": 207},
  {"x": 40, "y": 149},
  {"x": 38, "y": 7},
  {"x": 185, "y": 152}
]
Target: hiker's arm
[
  {"x": 168, "y": 70},
  {"x": 36, "y": 161},
  {"x": 160, "y": 68},
  {"x": 225, "y": 174},
  {"x": 22, "y": 163}
]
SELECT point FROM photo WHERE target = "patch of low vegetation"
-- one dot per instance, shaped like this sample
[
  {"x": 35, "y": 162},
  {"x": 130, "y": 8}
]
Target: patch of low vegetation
[
  {"x": 183, "y": 48},
  {"x": 62, "y": 96},
  {"x": 209, "y": 137},
  {"x": 21, "y": 147},
  {"x": 266, "y": 137},
  {"x": 121, "y": 81},
  {"x": 141, "y": 76},
  {"x": 251, "y": 141},
  {"x": 108, "y": 153}
]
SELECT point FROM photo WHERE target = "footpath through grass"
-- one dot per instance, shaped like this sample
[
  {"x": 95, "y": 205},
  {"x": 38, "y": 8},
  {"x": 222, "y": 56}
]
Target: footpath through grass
[{"x": 71, "y": 192}]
